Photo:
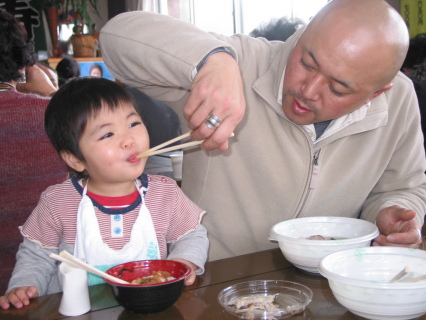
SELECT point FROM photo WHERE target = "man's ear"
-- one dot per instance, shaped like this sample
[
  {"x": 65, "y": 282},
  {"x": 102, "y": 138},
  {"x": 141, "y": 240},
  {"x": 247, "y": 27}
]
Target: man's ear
[
  {"x": 385, "y": 88},
  {"x": 72, "y": 161}
]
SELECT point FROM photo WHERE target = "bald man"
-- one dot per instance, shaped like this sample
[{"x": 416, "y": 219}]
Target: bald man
[{"x": 324, "y": 123}]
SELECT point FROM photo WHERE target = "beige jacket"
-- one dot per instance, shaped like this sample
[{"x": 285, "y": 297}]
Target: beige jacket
[{"x": 266, "y": 175}]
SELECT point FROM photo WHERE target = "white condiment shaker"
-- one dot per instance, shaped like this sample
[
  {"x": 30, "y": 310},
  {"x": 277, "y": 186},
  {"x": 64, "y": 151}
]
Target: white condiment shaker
[{"x": 75, "y": 299}]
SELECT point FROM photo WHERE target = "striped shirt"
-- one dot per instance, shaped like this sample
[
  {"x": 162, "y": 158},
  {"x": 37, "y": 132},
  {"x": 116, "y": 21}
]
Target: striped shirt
[{"x": 54, "y": 220}]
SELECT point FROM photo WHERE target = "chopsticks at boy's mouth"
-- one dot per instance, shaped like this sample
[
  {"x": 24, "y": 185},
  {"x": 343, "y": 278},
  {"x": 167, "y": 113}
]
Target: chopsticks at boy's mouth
[{"x": 157, "y": 149}]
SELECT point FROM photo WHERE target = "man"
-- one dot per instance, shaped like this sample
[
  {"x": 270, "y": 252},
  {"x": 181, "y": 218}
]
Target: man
[{"x": 330, "y": 129}]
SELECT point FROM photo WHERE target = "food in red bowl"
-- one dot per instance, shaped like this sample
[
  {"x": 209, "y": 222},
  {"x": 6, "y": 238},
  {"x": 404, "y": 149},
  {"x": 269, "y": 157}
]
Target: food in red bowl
[{"x": 149, "y": 297}]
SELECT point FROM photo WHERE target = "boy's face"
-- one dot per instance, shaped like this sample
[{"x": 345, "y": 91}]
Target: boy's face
[{"x": 110, "y": 143}]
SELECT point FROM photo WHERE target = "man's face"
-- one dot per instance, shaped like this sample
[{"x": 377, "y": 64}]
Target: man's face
[{"x": 325, "y": 80}]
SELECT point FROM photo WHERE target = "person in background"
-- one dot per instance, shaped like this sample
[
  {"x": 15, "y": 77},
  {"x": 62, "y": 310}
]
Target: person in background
[
  {"x": 67, "y": 68},
  {"x": 278, "y": 29},
  {"x": 28, "y": 162},
  {"x": 416, "y": 56},
  {"x": 53, "y": 76},
  {"x": 96, "y": 70},
  {"x": 95, "y": 127},
  {"x": 324, "y": 123},
  {"x": 414, "y": 67}
]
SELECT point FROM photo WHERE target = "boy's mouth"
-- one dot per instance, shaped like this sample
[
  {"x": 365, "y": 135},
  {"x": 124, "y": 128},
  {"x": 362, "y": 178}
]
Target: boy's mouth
[{"x": 133, "y": 158}]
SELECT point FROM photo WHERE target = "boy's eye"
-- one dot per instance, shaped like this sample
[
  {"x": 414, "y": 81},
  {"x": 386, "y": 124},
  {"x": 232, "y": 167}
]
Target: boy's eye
[
  {"x": 109, "y": 134},
  {"x": 134, "y": 124}
]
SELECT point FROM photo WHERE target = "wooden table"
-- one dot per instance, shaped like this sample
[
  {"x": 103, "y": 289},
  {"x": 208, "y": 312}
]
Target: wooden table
[{"x": 199, "y": 301}]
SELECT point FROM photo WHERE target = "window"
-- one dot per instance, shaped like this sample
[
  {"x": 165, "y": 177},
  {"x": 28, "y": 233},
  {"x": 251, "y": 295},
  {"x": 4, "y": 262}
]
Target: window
[
  {"x": 253, "y": 14},
  {"x": 238, "y": 16},
  {"x": 214, "y": 16}
]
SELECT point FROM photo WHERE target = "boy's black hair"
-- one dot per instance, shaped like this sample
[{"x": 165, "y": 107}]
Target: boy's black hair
[{"x": 70, "y": 107}]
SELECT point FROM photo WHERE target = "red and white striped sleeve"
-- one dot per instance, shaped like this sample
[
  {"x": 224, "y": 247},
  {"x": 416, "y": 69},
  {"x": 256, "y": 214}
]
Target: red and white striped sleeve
[{"x": 54, "y": 218}]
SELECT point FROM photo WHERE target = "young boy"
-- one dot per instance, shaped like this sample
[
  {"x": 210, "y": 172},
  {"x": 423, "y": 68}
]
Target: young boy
[{"x": 108, "y": 212}]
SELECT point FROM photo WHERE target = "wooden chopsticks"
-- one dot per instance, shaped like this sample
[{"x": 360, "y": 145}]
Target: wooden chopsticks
[
  {"x": 400, "y": 275},
  {"x": 66, "y": 257},
  {"x": 157, "y": 149}
]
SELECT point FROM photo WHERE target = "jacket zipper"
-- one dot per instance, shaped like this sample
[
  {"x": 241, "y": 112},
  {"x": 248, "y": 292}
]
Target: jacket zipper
[
  {"x": 312, "y": 184},
  {"x": 315, "y": 170}
]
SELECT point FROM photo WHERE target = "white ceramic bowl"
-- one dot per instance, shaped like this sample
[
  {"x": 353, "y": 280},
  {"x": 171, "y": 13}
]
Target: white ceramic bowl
[
  {"x": 306, "y": 254},
  {"x": 359, "y": 279}
]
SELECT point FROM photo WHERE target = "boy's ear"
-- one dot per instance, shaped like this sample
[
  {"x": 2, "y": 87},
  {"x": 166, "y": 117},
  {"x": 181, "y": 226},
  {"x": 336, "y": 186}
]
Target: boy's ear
[{"x": 72, "y": 161}]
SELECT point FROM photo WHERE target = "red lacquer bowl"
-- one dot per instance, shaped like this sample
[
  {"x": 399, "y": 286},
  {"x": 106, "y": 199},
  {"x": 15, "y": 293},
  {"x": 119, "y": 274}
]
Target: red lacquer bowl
[{"x": 148, "y": 298}]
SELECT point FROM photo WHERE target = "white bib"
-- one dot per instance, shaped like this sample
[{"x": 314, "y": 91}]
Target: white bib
[{"x": 142, "y": 245}]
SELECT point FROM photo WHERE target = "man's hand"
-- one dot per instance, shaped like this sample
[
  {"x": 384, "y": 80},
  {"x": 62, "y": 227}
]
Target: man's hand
[
  {"x": 398, "y": 228},
  {"x": 218, "y": 90},
  {"x": 37, "y": 82},
  {"x": 18, "y": 297}
]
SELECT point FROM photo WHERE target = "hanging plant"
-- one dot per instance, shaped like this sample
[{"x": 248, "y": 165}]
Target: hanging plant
[
  {"x": 77, "y": 11},
  {"x": 71, "y": 11}
]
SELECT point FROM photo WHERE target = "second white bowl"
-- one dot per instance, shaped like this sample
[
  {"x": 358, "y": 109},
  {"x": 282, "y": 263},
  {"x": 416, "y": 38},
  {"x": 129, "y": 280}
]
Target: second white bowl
[{"x": 360, "y": 281}]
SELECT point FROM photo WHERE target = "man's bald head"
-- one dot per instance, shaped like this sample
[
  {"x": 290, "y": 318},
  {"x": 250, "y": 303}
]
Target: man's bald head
[
  {"x": 371, "y": 29},
  {"x": 346, "y": 56}
]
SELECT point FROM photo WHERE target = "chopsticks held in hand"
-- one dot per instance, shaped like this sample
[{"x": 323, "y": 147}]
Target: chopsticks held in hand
[
  {"x": 66, "y": 257},
  {"x": 157, "y": 150}
]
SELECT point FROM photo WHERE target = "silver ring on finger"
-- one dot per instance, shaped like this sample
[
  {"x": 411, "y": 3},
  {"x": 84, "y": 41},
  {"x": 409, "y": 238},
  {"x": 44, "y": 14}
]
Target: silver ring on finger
[
  {"x": 418, "y": 231},
  {"x": 212, "y": 122}
]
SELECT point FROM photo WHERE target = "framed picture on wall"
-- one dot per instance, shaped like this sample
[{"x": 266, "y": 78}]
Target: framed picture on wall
[
  {"x": 96, "y": 65},
  {"x": 94, "y": 68}
]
